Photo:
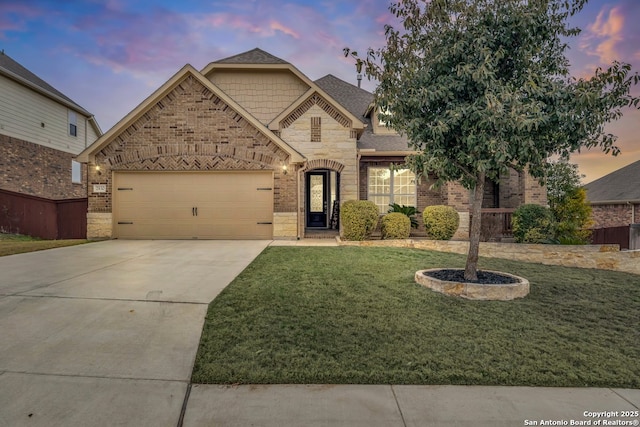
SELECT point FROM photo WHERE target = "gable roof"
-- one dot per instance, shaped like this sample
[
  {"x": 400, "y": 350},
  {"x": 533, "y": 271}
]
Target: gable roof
[
  {"x": 259, "y": 59},
  {"x": 359, "y": 101},
  {"x": 621, "y": 185},
  {"x": 12, "y": 69},
  {"x": 253, "y": 56},
  {"x": 187, "y": 70},
  {"x": 353, "y": 98}
]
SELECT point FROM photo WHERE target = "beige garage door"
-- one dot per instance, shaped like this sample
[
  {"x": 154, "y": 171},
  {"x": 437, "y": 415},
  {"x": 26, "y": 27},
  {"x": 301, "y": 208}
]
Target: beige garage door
[{"x": 193, "y": 205}]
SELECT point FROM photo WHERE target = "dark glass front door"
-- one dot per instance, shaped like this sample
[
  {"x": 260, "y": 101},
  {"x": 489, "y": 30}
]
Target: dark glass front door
[{"x": 317, "y": 199}]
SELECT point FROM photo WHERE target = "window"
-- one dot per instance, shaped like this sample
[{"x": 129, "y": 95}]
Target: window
[
  {"x": 76, "y": 172},
  {"x": 73, "y": 124},
  {"x": 386, "y": 112},
  {"x": 387, "y": 187},
  {"x": 315, "y": 130}
]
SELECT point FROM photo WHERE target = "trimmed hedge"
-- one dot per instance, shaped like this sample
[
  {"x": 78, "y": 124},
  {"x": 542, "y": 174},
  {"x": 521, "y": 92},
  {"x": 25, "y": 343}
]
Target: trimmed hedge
[
  {"x": 533, "y": 224},
  {"x": 440, "y": 222},
  {"x": 359, "y": 219},
  {"x": 396, "y": 225}
]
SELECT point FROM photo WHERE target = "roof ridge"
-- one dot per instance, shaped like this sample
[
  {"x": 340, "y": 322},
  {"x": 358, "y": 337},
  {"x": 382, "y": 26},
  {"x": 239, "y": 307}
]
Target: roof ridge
[
  {"x": 253, "y": 56},
  {"x": 343, "y": 82}
]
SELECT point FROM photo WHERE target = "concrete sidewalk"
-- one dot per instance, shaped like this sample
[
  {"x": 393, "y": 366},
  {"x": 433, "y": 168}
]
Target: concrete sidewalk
[{"x": 384, "y": 405}]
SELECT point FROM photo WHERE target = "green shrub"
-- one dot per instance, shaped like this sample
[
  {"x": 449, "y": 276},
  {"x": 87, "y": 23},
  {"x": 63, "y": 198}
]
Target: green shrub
[
  {"x": 440, "y": 222},
  {"x": 573, "y": 218},
  {"x": 533, "y": 224},
  {"x": 359, "y": 219},
  {"x": 409, "y": 211},
  {"x": 396, "y": 225}
]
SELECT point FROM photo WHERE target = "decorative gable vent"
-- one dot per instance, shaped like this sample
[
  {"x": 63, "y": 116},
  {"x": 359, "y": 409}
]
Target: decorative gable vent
[{"x": 315, "y": 129}]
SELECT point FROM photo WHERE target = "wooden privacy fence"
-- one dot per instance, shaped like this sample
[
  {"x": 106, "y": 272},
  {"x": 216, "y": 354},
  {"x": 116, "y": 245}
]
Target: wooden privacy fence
[
  {"x": 611, "y": 235},
  {"x": 44, "y": 218}
]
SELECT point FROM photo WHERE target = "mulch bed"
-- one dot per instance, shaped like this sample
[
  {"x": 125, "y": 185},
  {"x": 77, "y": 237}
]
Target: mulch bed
[{"x": 484, "y": 277}]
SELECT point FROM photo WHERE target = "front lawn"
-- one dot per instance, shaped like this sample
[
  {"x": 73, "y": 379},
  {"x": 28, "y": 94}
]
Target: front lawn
[
  {"x": 11, "y": 244},
  {"x": 355, "y": 315}
]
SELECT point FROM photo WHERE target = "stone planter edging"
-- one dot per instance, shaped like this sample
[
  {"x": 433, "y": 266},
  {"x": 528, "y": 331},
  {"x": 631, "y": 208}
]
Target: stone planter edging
[{"x": 476, "y": 291}]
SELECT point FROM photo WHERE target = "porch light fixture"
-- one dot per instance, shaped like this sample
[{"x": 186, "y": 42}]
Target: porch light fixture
[
  {"x": 284, "y": 169},
  {"x": 98, "y": 170}
]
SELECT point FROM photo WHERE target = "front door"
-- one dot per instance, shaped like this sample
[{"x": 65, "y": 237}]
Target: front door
[{"x": 317, "y": 199}]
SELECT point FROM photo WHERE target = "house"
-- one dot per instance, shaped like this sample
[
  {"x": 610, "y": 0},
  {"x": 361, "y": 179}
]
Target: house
[
  {"x": 251, "y": 148},
  {"x": 615, "y": 198},
  {"x": 41, "y": 132}
]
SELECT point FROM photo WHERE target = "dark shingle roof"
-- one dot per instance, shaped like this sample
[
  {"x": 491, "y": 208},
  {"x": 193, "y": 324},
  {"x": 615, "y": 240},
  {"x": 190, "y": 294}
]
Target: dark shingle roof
[
  {"x": 621, "y": 185},
  {"x": 11, "y": 68},
  {"x": 353, "y": 98},
  {"x": 357, "y": 101},
  {"x": 382, "y": 142},
  {"x": 255, "y": 56}
]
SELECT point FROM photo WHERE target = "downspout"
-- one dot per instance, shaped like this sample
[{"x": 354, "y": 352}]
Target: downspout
[
  {"x": 299, "y": 207},
  {"x": 358, "y": 158}
]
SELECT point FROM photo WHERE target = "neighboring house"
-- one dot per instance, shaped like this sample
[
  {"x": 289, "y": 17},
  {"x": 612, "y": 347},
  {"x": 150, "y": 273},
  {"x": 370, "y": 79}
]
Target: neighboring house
[
  {"x": 251, "y": 148},
  {"x": 41, "y": 132},
  {"x": 615, "y": 198}
]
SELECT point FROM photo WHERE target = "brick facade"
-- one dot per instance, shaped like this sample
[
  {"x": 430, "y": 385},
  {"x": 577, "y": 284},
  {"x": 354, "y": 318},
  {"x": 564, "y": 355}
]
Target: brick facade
[
  {"x": 614, "y": 215},
  {"x": 36, "y": 170},
  {"x": 189, "y": 129}
]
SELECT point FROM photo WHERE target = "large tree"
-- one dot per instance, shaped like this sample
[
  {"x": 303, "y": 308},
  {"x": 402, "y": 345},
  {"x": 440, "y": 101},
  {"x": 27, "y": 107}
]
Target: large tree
[{"x": 480, "y": 86}]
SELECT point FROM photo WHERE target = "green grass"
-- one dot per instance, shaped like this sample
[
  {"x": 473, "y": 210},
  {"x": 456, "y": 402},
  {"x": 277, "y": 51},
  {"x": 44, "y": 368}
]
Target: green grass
[
  {"x": 11, "y": 244},
  {"x": 355, "y": 315}
]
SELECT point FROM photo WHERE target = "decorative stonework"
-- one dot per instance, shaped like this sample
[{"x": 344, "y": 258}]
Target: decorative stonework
[
  {"x": 476, "y": 291},
  {"x": 190, "y": 129},
  {"x": 315, "y": 99},
  {"x": 323, "y": 164}
]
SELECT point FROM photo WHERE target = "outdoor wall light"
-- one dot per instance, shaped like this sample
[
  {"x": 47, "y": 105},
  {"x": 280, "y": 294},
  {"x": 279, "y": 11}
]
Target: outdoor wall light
[
  {"x": 284, "y": 169},
  {"x": 98, "y": 170}
]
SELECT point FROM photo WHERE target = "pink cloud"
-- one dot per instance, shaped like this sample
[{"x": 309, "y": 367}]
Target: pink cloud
[
  {"x": 277, "y": 26},
  {"x": 605, "y": 34},
  {"x": 14, "y": 17}
]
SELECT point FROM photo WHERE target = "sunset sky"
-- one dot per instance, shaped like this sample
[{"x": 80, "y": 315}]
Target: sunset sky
[{"x": 110, "y": 55}]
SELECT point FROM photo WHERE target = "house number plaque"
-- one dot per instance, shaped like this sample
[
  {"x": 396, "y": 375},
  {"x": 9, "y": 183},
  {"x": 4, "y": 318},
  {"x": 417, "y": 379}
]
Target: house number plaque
[{"x": 99, "y": 188}]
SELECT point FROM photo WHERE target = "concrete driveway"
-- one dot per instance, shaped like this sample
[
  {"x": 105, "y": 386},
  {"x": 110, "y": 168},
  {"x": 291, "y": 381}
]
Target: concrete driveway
[{"x": 107, "y": 333}]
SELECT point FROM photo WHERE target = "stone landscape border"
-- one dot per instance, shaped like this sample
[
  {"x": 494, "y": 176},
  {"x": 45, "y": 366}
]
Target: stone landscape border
[
  {"x": 476, "y": 291},
  {"x": 604, "y": 257}
]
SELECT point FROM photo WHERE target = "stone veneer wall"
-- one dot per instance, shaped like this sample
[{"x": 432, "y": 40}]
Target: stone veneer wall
[
  {"x": 614, "y": 215},
  {"x": 336, "y": 150},
  {"x": 36, "y": 170},
  {"x": 605, "y": 257},
  {"x": 263, "y": 93},
  {"x": 190, "y": 129},
  {"x": 285, "y": 225}
]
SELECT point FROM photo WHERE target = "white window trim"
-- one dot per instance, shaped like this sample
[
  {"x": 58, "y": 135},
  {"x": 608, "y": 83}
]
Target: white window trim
[
  {"x": 73, "y": 121},
  {"x": 391, "y": 194},
  {"x": 76, "y": 172}
]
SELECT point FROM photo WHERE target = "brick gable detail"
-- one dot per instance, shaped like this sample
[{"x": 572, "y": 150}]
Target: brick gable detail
[
  {"x": 315, "y": 99},
  {"x": 189, "y": 129}
]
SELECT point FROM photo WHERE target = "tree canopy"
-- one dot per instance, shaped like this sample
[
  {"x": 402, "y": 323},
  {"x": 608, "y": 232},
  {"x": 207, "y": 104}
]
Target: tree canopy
[{"x": 481, "y": 86}]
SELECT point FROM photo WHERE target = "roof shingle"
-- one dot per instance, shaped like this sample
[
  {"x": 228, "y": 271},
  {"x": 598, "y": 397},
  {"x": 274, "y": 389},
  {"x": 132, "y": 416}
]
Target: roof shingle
[
  {"x": 254, "y": 56},
  {"x": 620, "y": 185}
]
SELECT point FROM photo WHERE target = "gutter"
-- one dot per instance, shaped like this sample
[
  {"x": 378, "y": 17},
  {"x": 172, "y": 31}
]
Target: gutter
[
  {"x": 616, "y": 202},
  {"x": 71, "y": 105}
]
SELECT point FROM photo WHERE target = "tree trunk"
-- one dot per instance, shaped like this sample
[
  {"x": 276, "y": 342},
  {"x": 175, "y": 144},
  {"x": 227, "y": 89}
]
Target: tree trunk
[{"x": 471, "y": 269}]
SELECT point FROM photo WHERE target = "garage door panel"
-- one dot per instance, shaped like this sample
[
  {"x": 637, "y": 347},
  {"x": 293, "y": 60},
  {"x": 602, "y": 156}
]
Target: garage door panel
[{"x": 212, "y": 205}]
